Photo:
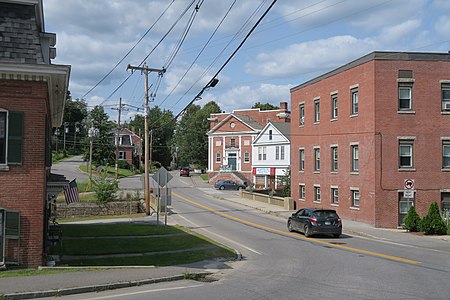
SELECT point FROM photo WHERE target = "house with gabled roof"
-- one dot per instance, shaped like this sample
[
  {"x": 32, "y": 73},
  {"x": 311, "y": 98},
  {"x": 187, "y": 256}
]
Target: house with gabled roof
[
  {"x": 230, "y": 141},
  {"x": 271, "y": 155}
]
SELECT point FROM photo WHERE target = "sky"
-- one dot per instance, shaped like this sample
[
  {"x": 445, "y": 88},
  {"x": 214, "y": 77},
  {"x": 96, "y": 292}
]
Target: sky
[{"x": 296, "y": 41}]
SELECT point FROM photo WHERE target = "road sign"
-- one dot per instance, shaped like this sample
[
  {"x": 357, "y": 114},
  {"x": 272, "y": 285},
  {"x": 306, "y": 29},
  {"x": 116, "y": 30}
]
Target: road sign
[
  {"x": 162, "y": 177},
  {"x": 408, "y": 194},
  {"x": 409, "y": 184}
]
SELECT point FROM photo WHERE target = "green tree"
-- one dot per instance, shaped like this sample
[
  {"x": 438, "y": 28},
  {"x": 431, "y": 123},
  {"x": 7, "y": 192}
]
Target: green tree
[
  {"x": 285, "y": 181},
  {"x": 103, "y": 143},
  {"x": 266, "y": 106},
  {"x": 412, "y": 220},
  {"x": 432, "y": 223},
  {"x": 190, "y": 137}
]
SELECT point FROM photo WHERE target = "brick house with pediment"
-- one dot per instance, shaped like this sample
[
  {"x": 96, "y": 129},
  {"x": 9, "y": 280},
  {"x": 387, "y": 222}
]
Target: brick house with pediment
[
  {"x": 32, "y": 98},
  {"x": 230, "y": 141}
]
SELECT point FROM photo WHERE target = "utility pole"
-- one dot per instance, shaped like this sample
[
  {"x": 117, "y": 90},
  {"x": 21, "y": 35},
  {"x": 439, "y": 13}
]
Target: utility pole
[
  {"x": 146, "y": 70},
  {"x": 117, "y": 136}
]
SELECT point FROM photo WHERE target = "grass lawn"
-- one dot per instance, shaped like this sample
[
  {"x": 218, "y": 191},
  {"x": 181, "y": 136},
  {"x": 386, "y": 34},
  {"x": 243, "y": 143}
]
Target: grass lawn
[
  {"x": 37, "y": 272},
  {"x": 204, "y": 177},
  {"x": 111, "y": 171},
  {"x": 128, "y": 238}
]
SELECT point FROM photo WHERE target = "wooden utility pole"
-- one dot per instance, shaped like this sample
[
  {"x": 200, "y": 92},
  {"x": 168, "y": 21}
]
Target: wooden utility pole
[
  {"x": 146, "y": 70},
  {"x": 118, "y": 137}
]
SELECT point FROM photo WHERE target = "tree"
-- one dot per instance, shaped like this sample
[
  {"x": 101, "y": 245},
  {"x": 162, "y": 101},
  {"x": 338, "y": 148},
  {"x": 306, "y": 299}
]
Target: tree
[
  {"x": 432, "y": 223},
  {"x": 412, "y": 220},
  {"x": 266, "y": 106},
  {"x": 285, "y": 181},
  {"x": 190, "y": 137},
  {"x": 103, "y": 146}
]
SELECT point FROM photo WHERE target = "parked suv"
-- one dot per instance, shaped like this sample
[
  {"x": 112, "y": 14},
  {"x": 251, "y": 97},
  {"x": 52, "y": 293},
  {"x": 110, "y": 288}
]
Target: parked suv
[
  {"x": 311, "y": 221},
  {"x": 184, "y": 171}
]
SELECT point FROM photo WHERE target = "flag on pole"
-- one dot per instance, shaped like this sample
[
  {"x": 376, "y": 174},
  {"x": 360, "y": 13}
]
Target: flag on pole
[{"x": 71, "y": 192}]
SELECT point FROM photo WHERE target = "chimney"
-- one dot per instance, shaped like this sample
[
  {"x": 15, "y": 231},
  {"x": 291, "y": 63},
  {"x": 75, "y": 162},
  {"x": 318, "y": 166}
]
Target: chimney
[{"x": 283, "y": 105}]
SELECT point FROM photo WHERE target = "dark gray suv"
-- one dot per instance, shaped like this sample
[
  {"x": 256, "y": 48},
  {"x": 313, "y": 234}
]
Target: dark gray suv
[{"x": 316, "y": 221}]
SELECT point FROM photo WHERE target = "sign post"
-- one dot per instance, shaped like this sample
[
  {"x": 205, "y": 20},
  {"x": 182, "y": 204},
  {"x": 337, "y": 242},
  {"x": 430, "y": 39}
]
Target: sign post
[{"x": 162, "y": 177}]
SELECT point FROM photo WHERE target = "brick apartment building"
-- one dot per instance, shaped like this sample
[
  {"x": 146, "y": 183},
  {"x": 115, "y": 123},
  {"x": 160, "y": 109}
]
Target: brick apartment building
[
  {"x": 32, "y": 97},
  {"x": 230, "y": 141},
  {"x": 360, "y": 131}
]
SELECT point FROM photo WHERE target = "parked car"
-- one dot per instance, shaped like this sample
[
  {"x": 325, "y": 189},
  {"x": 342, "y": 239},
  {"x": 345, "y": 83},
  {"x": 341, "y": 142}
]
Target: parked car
[
  {"x": 229, "y": 185},
  {"x": 316, "y": 221},
  {"x": 184, "y": 171}
]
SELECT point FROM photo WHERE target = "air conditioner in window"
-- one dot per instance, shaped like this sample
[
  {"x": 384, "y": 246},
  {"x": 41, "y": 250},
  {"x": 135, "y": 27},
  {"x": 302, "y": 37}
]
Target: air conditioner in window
[{"x": 447, "y": 105}]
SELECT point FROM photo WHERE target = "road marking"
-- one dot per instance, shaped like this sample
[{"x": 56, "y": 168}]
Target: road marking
[
  {"x": 146, "y": 292},
  {"x": 295, "y": 235},
  {"x": 222, "y": 237}
]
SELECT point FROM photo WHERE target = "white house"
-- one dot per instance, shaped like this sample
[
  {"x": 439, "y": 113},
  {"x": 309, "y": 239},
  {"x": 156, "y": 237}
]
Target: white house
[{"x": 271, "y": 155}]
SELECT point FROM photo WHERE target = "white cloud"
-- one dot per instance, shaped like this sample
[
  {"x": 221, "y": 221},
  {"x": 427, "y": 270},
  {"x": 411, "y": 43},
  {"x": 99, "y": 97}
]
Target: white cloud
[
  {"x": 246, "y": 96},
  {"x": 399, "y": 35},
  {"x": 442, "y": 27}
]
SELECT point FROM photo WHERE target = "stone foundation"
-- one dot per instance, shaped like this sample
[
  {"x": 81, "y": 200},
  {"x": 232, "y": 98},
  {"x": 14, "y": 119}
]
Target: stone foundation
[{"x": 81, "y": 210}]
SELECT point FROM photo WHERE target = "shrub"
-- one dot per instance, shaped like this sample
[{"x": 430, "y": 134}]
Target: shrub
[
  {"x": 105, "y": 188},
  {"x": 412, "y": 220},
  {"x": 432, "y": 223},
  {"x": 123, "y": 164}
]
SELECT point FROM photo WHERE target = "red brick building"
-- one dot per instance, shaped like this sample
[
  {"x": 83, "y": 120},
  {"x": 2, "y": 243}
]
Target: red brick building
[
  {"x": 360, "y": 131},
  {"x": 230, "y": 141},
  {"x": 32, "y": 95}
]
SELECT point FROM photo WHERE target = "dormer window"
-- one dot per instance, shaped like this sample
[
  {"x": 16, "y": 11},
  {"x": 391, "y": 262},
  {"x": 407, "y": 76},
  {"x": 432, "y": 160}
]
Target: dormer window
[{"x": 270, "y": 135}]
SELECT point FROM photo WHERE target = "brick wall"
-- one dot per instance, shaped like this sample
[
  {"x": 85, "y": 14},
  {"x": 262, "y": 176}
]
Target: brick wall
[{"x": 23, "y": 187}]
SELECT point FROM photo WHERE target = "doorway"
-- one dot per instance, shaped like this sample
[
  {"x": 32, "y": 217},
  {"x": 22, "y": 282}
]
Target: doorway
[
  {"x": 232, "y": 161},
  {"x": 404, "y": 204}
]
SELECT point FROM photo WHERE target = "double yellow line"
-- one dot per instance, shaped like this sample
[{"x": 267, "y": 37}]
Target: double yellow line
[{"x": 297, "y": 236}]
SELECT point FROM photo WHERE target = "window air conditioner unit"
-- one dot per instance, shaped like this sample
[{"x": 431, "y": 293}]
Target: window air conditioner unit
[{"x": 447, "y": 105}]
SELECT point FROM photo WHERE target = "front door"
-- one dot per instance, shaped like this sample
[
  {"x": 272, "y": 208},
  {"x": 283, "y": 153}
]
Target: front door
[
  {"x": 404, "y": 204},
  {"x": 232, "y": 161}
]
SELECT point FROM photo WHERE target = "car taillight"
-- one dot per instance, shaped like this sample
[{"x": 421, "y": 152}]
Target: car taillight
[
  {"x": 339, "y": 221},
  {"x": 313, "y": 220}
]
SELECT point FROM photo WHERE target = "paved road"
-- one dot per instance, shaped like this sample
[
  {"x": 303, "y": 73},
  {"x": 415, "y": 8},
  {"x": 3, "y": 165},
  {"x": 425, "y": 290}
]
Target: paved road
[{"x": 282, "y": 265}]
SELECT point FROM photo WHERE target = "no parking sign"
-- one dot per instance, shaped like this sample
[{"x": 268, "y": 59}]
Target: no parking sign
[{"x": 409, "y": 184}]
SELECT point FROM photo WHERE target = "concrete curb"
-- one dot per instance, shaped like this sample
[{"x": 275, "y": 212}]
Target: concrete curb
[{"x": 100, "y": 287}]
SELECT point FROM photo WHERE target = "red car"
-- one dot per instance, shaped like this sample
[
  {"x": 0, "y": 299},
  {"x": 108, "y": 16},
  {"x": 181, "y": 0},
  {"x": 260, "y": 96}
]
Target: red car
[{"x": 184, "y": 172}]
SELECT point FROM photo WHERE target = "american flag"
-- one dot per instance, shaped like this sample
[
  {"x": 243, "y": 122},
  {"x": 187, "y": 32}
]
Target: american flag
[{"x": 71, "y": 192}]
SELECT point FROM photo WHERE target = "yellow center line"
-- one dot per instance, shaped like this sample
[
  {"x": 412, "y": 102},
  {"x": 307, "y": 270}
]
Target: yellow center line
[{"x": 295, "y": 235}]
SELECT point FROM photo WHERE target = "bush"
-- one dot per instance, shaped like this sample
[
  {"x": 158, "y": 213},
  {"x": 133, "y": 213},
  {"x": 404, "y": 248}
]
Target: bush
[
  {"x": 123, "y": 164},
  {"x": 432, "y": 223},
  {"x": 412, "y": 220},
  {"x": 105, "y": 188}
]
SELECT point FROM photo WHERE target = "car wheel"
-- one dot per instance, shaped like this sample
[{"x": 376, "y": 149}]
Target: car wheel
[
  {"x": 221, "y": 187},
  {"x": 307, "y": 231},
  {"x": 336, "y": 235},
  {"x": 290, "y": 228}
]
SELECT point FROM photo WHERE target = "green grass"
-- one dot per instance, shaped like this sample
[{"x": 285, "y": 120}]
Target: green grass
[
  {"x": 204, "y": 177},
  {"x": 37, "y": 272},
  {"x": 129, "y": 238},
  {"x": 111, "y": 171}
]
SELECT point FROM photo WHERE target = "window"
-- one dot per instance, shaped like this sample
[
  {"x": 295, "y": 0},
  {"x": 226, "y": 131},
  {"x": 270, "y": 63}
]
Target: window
[
  {"x": 355, "y": 158},
  {"x": 301, "y": 192},
  {"x": 446, "y": 154},
  {"x": 218, "y": 159},
  {"x": 246, "y": 142},
  {"x": 302, "y": 160},
  {"x": 334, "y": 106},
  {"x": 404, "y": 96},
  {"x": 334, "y": 195},
  {"x": 302, "y": 114},
  {"x": 445, "y": 87},
  {"x": 233, "y": 143},
  {"x": 11, "y": 137},
  {"x": 316, "y": 159},
  {"x": 247, "y": 157},
  {"x": 218, "y": 143},
  {"x": 270, "y": 135},
  {"x": 354, "y": 95},
  {"x": 317, "y": 194},
  {"x": 282, "y": 152},
  {"x": 405, "y": 149},
  {"x": 262, "y": 153},
  {"x": 334, "y": 159},
  {"x": 316, "y": 111},
  {"x": 355, "y": 198},
  {"x": 277, "y": 153},
  {"x": 122, "y": 155}
]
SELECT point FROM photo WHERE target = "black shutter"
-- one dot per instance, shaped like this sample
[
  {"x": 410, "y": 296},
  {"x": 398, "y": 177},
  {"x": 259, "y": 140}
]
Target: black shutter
[{"x": 15, "y": 137}]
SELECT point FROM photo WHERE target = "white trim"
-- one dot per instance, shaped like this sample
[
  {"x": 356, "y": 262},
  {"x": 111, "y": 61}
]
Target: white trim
[
  {"x": 444, "y": 81},
  {"x": 334, "y": 187},
  {"x": 355, "y": 189},
  {"x": 354, "y": 144},
  {"x": 334, "y": 93},
  {"x": 406, "y": 138},
  {"x": 316, "y": 185},
  {"x": 354, "y": 86},
  {"x": 405, "y": 80},
  {"x": 334, "y": 145}
]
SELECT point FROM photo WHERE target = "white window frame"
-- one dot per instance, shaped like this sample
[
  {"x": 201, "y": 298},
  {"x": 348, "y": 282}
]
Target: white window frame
[
  {"x": 409, "y": 99},
  {"x": 301, "y": 155},
  {"x": 317, "y": 196},
  {"x": 355, "y": 197},
  {"x": 406, "y": 144},
  {"x": 122, "y": 155},
  {"x": 277, "y": 152},
  {"x": 264, "y": 153},
  {"x": 233, "y": 142},
  {"x": 301, "y": 191},
  {"x": 354, "y": 100},
  {"x": 316, "y": 159},
  {"x": 335, "y": 195},
  {"x": 246, "y": 157},
  {"x": 334, "y": 106},
  {"x": 334, "y": 158},
  {"x": 301, "y": 110},
  {"x": 445, "y": 89},
  {"x": 218, "y": 157},
  {"x": 281, "y": 152},
  {"x": 354, "y": 150},
  {"x": 218, "y": 143},
  {"x": 316, "y": 110}
]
